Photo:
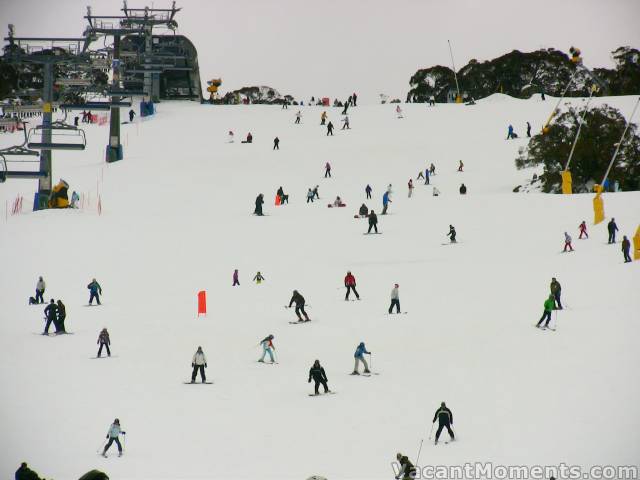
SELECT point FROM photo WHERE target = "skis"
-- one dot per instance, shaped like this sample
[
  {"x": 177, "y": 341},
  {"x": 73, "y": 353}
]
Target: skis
[
  {"x": 299, "y": 322},
  {"x": 320, "y": 394},
  {"x": 198, "y": 383},
  {"x": 106, "y": 356},
  {"x": 52, "y": 334},
  {"x": 267, "y": 363},
  {"x": 372, "y": 233},
  {"x": 545, "y": 328},
  {"x": 363, "y": 374}
]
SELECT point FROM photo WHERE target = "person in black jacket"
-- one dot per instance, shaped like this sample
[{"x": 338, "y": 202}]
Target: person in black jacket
[
  {"x": 319, "y": 377},
  {"x": 463, "y": 189},
  {"x": 329, "y": 129},
  {"x": 364, "y": 211},
  {"x": 51, "y": 313},
  {"x": 62, "y": 314},
  {"x": 299, "y": 301},
  {"x": 407, "y": 470},
  {"x": 25, "y": 473},
  {"x": 612, "y": 228},
  {"x": 373, "y": 221},
  {"x": 259, "y": 202},
  {"x": 445, "y": 419},
  {"x": 276, "y": 143}
]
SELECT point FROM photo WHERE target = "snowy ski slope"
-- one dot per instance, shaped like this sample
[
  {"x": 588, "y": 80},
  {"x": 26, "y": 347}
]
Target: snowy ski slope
[{"x": 177, "y": 219}]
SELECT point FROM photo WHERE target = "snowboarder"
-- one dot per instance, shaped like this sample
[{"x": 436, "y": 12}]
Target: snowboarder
[
  {"x": 583, "y": 230},
  {"x": 62, "y": 315},
  {"x": 556, "y": 291},
  {"x": 113, "y": 435},
  {"x": 267, "y": 348},
  {"x": 345, "y": 123},
  {"x": 350, "y": 284},
  {"x": 258, "y": 278},
  {"x": 399, "y": 111},
  {"x": 323, "y": 118},
  {"x": 198, "y": 362},
  {"x": 40, "y": 288},
  {"x": 460, "y": 166},
  {"x": 249, "y": 138},
  {"x": 395, "y": 299},
  {"x": 283, "y": 197},
  {"x": 385, "y": 202},
  {"x": 445, "y": 419},
  {"x": 276, "y": 143},
  {"x": 463, "y": 189},
  {"x": 259, "y": 202},
  {"x": 368, "y": 190},
  {"x": 626, "y": 247},
  {"x": 361, "y": 350},
  {"x": 327, "y": 170},
  {"x": 131, "y": 115},
  {"x": 364, "y": 211},
  {"x": 299, "y": 301},
  {"x": 310, "y": 196},
  {"x": 567, "y": 242},
  {"x": 549, "y": 305},
  {"x": 373, "y": 221},
  {"x": 236, "y": 281},
  {"x": 298, "y": 116},
  {"x": 103, "y": 341},
  {"x": 528, "y": 130},
  {"x": 407, "y": 470},
  {"x": 230, "y": 137},
  {"x": 75, "y": 198},
  {"x": 452, "y": 234},
  {"x": 95, "y": 290},
  {"x": 612, "y": 228},
  {"x": 338, "y": 202},
  {"x": 510, "y": 133},
  {"x": 436, "y": 192},
  {"x": 51, "y": 314},
  {"x": 319, "y": 377},
  {"x": 24, "y": 472},
  {"x": 329, "y": 128},
  {"x": 432, "y": 169}
]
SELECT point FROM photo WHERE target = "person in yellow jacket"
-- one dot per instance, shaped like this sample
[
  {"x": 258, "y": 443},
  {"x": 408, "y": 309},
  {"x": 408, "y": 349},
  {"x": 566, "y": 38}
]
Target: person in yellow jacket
[
  {"x": 323, "y": 118},
  {"x": 59, "y": 196}
]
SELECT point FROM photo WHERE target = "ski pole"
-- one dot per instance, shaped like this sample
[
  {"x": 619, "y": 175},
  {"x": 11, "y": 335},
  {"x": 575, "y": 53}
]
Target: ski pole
[
  {"x": 370, "y": 362},
  {"x": 431, "y": 432},
  {"x": 555, "y": 320},
  {"x": 99, "y": 450},
  {"x": 418, "y": 457}
]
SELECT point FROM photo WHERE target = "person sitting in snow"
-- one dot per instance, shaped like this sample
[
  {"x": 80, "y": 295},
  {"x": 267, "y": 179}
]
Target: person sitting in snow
[
  {"x": 364, "y": 211},
  {"x": 338, "y": 202},
  {"x": 249, "y": 138}
]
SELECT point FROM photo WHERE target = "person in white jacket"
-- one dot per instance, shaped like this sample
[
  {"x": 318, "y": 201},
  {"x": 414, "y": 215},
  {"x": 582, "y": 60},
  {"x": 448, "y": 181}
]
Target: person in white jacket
[
  {"x": 113, "y": 435},
  {"x": 395, "y": 299},
  {"x": 198, "y": 362},
  {"x": 40, "y": 287},
  {"x": 230, "y": 137}
]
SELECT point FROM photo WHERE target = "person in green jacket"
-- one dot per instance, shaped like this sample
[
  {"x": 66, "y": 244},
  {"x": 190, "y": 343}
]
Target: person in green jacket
[{"x": 549, "y": 305}]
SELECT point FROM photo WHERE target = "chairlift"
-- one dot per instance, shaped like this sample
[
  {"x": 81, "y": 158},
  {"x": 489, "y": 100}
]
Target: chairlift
[
  {"x": 63, "y": 137},
  {"x": 20, "y": 150},
  {"x": 6, "y": 173}
]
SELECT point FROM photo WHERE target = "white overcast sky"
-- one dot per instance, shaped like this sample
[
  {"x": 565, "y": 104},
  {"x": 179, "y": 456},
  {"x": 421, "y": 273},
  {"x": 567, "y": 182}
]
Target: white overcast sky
[{"x": 335, "y": 47}]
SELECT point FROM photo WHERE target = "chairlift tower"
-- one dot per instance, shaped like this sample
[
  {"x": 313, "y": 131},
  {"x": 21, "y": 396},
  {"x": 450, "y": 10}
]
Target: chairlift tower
[{"x": 48, "y": 52}]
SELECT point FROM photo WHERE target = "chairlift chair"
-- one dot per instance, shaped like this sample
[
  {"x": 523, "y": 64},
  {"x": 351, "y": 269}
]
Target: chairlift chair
[{"x": 63, "y": 137}]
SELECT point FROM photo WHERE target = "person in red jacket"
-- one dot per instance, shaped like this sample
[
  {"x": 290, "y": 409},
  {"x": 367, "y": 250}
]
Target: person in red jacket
[
  {"x": 350, "y": 283},
  {"x": 583, "y": 230}
]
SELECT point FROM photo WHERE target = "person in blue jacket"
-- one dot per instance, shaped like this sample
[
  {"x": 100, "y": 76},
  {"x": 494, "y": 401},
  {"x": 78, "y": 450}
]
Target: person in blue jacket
[
  {"x": 359, "y": 357},
  {"x": 385, "y": 202},
  {"x": 510, "y": 133},
  {"x": 95, "y": 291}
]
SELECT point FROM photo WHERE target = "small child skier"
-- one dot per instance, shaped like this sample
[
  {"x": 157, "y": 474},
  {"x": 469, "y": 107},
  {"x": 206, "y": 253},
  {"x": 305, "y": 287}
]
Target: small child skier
[
  {"x": 267, "y": 348},
  {"x": 258, "y": 278}
]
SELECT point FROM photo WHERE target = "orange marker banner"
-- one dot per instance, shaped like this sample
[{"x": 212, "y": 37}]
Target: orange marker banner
[{"x": 202, "y": 303}]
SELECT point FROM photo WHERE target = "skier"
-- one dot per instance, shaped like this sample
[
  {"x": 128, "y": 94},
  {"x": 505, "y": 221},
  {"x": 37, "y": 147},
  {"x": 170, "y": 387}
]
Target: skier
[
  {"x": 407, "y": 470},
  {"x": 445, "y": 419},
  {"x": 198, "y": 362},
  {"x": 427, "y": 180},
  {"x": 549, "y": 305},
  {"x": 410, "y": 185},
  {"x": 373, "y": 221},
  {"x": 40, "y": 288},
  {"x": 131, "y": 115},
  {"x": 323, "y": 118},
  {"x": 395, "y": 299},
  {"x": 556, "y": 291},
  {"x": 259, "y": 202},
  {"x": 346, "y": 106},
  {"x": 368, "y": 190},
  {"x": 113, "y": 435},
  {"x": 528, "y": 130},
  {"x": 364, "y": 211},
  {"x": 283, "y": 197},
  {"x": 276, "y": 143},
  {"x": 626, "y": 247},
  {"x": 452, "y": 234},
  {"x": 399, "y": 111},
  {"x": 460, "y": 166},
  {"x": 436, "y": 192},
  {"x": 230, "y": 137},
  {"x": 385, "y": 202},
  {"x": 103, "y": 341},
  {"x": 236, "y": 281},
  {"x": 258, "y": 278},
  {"x": 329, "y": 128},
  {"x": 316, "y": 194},
  {"x": 95, "y": 291},
  {"x": 583, "y": 230},
  {"x": 463, "y": 189},
  {"x": 75, "y": 198},
  {"x": 24, "y": 472},
  {"x": 567, "y": 242},
  {"x": 361, "y": 350},
  {"x": 345, "y": 123},
  {"x": 51, "y": 314},
  {"x": 310, "y": 196},
  {"x": 432, "y": 101},
  {"x": 350, "y": 284},
  {"x": 420, "y": 175},
  {"x": 355, "y": 98},
  {"x": 62, "y": 315},
  {"x": 432, "y": 169},
  {"x": 319, "y": 377},
  {"x": 510, "y": 133},
  {"x": 298, "y": 116},
  {"x": 612, "y": 228},
  {"x": 267, "y": 347},
  {"x": 327, "y": 170},
  {"x": 299, "y": 301}
]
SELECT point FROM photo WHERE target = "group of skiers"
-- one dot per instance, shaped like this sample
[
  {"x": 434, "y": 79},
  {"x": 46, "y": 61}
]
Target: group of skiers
[
  {"x": 612, "y": 228},
  {"x": 258, "y": 278}
]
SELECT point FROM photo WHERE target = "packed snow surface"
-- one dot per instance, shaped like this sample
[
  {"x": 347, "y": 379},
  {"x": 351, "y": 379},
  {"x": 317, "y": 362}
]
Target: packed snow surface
[{"x": 177, "y": 218}]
